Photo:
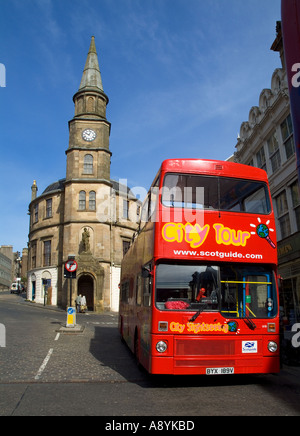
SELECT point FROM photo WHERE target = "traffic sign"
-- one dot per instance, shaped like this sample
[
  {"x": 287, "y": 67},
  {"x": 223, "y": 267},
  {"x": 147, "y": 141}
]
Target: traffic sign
[
  {"x": 71, "y": 265},
  {"x": 71, "y": 317}
]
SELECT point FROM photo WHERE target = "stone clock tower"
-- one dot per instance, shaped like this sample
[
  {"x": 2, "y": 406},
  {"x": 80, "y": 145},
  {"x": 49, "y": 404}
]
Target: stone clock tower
[
  {"x": 88, "y": 182},
  {"x": 86, "y": 214}
]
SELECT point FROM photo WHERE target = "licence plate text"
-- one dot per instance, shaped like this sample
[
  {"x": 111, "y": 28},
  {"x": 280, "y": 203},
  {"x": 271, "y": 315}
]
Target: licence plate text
[{"x": 218, "y": 371}]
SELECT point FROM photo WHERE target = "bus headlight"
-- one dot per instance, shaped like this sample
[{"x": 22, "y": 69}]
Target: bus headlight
[
  {"x": 161, "y": 346},
  {"x": 272, "y": 346}
]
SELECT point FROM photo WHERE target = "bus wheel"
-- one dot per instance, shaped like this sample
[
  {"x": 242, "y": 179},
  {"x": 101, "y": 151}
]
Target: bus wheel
[
  {"x": 136, "y": 347},
  {"x": 121, "y": 330}
]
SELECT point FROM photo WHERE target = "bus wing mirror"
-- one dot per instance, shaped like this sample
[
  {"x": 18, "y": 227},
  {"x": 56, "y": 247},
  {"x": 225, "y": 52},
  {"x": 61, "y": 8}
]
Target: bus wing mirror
[{"x": 146, "y": 272}]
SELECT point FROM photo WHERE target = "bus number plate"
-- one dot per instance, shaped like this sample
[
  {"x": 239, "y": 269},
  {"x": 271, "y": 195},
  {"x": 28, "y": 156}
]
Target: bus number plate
[{"x": 218, "y": 371}]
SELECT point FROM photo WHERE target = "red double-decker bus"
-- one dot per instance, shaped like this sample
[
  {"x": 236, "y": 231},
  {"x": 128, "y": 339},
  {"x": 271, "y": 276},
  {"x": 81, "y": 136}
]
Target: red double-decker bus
[{"x": 198, "y": 292}]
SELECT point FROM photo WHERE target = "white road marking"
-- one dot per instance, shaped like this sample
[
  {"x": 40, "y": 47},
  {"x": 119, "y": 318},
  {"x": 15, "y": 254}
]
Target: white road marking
[{"x": 44, "y": 364}]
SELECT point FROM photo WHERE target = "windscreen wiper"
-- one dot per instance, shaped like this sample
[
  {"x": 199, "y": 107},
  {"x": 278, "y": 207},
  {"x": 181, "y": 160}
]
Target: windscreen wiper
[
  {"x": 198, "y": 313},
  {"x": 249, "y": 322}
]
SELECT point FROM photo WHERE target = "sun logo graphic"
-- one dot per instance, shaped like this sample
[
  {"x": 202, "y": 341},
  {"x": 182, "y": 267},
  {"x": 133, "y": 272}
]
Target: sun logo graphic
[{"x": 263, "y": 231}]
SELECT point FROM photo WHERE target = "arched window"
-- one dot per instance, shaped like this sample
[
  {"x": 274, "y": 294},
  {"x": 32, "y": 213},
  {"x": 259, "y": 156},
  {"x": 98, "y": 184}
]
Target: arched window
[
  {"x": 88, "y": 164},
  {"x": 82, "y": 201},
  {"x": 92, "y": 200},
  {"x": 91, "y": 104}
]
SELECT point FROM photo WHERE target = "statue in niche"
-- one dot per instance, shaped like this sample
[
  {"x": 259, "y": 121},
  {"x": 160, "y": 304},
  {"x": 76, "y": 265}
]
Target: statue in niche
[{"x": 85, "y": 241}]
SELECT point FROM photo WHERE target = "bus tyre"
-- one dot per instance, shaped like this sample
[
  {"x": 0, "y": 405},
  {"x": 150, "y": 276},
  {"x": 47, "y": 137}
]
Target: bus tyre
[
  {"x": 137, "y": 348},
  {"x": 121, "y": 331}
]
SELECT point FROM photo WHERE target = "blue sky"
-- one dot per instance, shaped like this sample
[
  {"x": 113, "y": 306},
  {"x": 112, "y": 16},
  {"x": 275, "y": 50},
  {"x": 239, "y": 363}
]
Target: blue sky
[{"x": 181, "y": 77}]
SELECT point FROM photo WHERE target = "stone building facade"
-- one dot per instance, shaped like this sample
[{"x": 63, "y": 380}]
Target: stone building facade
[
  {"x": 85, "y": 215},
  {"x": 266, "y": 141},
  {"x": 6, "y": 266}
]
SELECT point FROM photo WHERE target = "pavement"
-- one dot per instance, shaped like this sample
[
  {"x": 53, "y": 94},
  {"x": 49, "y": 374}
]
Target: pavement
[{"x": 41, "y": 306}]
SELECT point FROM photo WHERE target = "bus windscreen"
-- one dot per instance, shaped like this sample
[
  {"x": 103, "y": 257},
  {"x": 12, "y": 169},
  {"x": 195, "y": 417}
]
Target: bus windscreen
[{"x": 237, "y": 291}]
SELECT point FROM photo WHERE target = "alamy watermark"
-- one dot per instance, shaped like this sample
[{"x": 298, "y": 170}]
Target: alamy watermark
[
  {"x": 2, "y": 335},
  {"x": 2, "y": 76},
  {"x": 296, "y": 69},
  {"x": 180, "y": 204},
  {"x": 296, "y": 337}
]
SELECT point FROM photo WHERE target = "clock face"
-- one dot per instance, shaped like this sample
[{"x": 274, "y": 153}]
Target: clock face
[{"x": 89, "y": 135}]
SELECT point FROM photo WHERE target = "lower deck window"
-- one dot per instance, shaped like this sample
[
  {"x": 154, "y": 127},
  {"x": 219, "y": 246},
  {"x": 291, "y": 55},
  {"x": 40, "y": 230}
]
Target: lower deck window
[{"x": 232, "y": 289}]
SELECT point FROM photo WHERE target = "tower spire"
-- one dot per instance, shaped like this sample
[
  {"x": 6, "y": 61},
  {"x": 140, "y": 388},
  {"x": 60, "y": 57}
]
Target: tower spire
[
  {"x": 91, "y": 77},
  {"x": 90, "y": 99}
]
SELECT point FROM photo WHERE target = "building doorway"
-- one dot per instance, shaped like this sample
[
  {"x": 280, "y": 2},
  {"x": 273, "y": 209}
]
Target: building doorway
[
  {"x": 46, "y": 285},
  {"x": 33, "y": 287},
  {"x": 86, "y": 288}
]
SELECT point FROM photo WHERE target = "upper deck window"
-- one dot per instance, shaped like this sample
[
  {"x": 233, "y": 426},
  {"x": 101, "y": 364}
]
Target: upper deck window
[{"x": 215, "y": 193}]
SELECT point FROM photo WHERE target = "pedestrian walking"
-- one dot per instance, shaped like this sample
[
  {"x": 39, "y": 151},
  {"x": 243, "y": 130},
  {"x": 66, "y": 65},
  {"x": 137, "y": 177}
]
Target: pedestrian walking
[
  {"x": 78, "y": 303},
  {"x": 83, "y": 304}
]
